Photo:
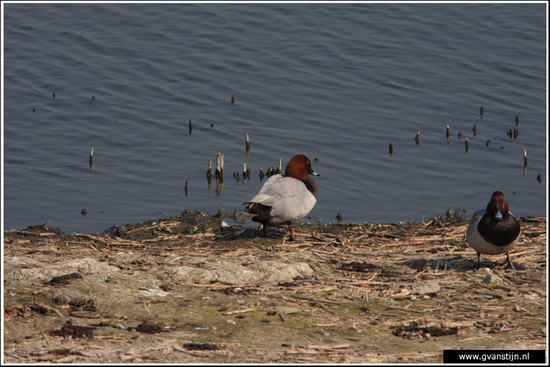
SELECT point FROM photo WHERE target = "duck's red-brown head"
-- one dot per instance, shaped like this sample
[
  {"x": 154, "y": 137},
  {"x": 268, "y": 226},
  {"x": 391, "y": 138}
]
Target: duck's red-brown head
[
  {"x": 497, "y": 206},
  {"x": 299, "y": 167}
]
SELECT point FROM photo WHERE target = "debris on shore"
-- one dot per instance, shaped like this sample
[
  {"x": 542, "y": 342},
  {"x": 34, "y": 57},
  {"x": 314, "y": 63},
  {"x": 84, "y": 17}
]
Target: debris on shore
[{"x": 202, "y": 288}]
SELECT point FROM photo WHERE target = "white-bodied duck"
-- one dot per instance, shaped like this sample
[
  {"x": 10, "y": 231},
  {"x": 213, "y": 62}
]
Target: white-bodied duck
[{"x": 284, "y": 199}]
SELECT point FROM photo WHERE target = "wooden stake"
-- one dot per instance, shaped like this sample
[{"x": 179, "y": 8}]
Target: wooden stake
[
  {"x": 209, "y": 172},
  {"x": 219, "y": 164},
  {"x": 91, "y": 157}
]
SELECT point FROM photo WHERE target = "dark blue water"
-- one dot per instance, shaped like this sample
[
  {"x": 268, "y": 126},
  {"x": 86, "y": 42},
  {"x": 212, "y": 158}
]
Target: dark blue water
[{"x": 336, "y": 82}]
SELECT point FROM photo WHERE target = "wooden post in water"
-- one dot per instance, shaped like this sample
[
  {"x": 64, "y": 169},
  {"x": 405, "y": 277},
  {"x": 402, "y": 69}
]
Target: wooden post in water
[
  {"x": 219, "y": 173},
  {"x": 219, "y": 165},
  {"x": 91, "y": 157},
  {"x": 209, "y": 172}
]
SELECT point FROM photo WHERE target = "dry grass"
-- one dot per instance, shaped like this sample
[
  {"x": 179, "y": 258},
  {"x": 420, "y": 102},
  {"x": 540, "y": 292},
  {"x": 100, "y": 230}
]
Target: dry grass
[{"x": 353, "y": 304}]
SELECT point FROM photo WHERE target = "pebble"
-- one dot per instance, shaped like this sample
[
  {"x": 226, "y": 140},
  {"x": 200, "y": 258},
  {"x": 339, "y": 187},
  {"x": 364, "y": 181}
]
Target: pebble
[
  {"x": 153, "y": 292},
  {"x": 418, "y": 262},
  {"x": 426, "y": 288},
  {"x": 230, "y": 322},
  {"x": 492, "y": 278}
]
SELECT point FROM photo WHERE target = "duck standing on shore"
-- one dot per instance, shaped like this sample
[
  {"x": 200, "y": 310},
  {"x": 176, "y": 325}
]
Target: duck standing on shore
[
  {"x": 493, "y": 230},
  {"x": 284, "y": 199}
]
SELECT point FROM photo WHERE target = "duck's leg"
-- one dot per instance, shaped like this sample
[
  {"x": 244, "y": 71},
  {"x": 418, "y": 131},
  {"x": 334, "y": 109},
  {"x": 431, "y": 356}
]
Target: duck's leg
[
  {"x": 264, "y": 230},
  {"x": 478, "y": 260},
  {"x": 508, "y": 262},
  {"x": 291, "y": 231}
]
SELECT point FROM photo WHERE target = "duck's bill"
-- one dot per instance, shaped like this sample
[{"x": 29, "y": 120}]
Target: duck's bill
[{"x": 498, "y": 213}]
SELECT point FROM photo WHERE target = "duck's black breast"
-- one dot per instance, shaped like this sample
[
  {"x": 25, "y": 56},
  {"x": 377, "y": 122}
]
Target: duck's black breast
[
  {"x": 311, "y": 186},
  {"x": 499, "y": 232}
]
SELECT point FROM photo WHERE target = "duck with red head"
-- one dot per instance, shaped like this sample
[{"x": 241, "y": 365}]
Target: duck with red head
[
  {"x": 493, "y": 230},
  {"x": 284, "y": 199}
]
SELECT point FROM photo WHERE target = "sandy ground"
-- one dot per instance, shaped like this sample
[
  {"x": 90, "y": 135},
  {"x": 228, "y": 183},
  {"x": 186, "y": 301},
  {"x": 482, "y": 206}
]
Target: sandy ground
[{"x": 189, "y": 290}]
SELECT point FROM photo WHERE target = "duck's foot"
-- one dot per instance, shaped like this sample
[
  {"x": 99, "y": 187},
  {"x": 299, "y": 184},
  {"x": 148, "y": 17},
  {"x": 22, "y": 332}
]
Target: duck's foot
[
  {"x": 291, "y": 232},
  {"x": 478, "y": 264},
  {"x": 272, "y": 234},
  {"x": 508, "y": 264}
]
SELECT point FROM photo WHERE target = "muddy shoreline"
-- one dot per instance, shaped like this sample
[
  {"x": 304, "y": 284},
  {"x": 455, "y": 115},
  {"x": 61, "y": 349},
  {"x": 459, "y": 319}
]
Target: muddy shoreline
[{"x": 192, "y": 289}]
